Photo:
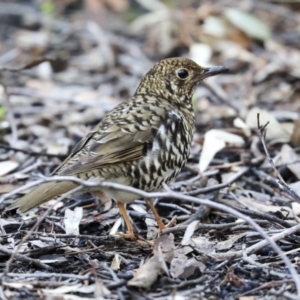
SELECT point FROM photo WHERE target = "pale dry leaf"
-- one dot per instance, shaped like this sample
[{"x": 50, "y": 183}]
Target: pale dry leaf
[
  {"x": 190, "y": 268},
  {"x": 274, "y": 128},
  {"x": 72, "y": 220},
  {"x": 183, "y": 268},
  {"x": 154, "y": 5},
  {"x": 288, "y": 127},
  {"x": 291, "y": 158},
  {"x": 116, "y": 262},
  {"x": 177, "y": 265},
  {"x": 204, "y": 245},
  {"x": 67, "y": 297},
  {"x": 200, "y": 53},
  {"x": 86, "y": 289},
  {"x": 254, "y": 204},
  {"x": 94, "y": 263},
  {"x": 215, "y": 27},
  {"x": 189, "y": 232},
  {"x": 139, "y": 208},
  {"x": 54, "y": 148},
  {"x": 5, "y": 222},
  {"x": 114, "y": 229},
  {"x": 100, "y": 290},
  {"x": 239, "y": 123},
  {"x": 214, "y": 141},
  {"x": 106, "y": 205},
  {"x": 44, "y": 70},
  {"x": 6, "y": 188},
  {"x": 65, "y": 289},
  {"x": 151, "y": 223},
  {"x": 296, "y": 211},
  {"x": 19, "y": 285},
  {"x": 52, "y": 258},
  {"x": 38, "y": 243},
  {"x": 162, "y": 260},
  {"x": 248, "y": 23},
  {"x": 152, "y": 229},
  {"x": 182, "y": 251},
  {"x": 226, "y": 245},
  {"x": 295, "y": 186},
  {"x": 166, "y": 242},
  {"x": 118, "y": 5},
  {"x": 39, "y": 130},
  {"x": 147, "y": 274},
  {"x": 7, "y": 166},
  {"x": 140, "y": 24}
]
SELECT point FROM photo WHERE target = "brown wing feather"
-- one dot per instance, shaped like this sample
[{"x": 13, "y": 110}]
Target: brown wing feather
[{"x": 115, "y": 140}]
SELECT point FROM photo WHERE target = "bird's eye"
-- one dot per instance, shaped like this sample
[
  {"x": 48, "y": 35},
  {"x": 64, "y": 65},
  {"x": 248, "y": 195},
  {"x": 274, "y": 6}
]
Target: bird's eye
[{"x": 182, "y": 73}]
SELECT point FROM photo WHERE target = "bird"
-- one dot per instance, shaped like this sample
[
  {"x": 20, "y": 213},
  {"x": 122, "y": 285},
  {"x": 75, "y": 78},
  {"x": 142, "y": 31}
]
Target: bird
[{"x": 143, "y": 142}]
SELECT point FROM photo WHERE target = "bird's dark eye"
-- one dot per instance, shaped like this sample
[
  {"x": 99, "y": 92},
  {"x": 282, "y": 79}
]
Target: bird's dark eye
[{"x": 182, "y": 73}]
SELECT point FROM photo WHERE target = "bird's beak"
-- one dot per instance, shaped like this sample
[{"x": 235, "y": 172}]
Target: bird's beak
[{"x": 211, "y": 71}]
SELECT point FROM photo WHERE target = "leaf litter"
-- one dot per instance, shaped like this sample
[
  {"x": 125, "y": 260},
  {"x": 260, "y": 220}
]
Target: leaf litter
[{"x": 64, "y": 67}]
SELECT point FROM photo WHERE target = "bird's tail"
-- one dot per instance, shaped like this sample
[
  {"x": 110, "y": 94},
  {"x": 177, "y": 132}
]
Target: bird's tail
[{"x": 41, "y": 194}]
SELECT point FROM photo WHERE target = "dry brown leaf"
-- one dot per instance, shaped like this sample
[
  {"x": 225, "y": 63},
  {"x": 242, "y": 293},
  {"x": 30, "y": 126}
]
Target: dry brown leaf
[
  {"x": 226, "y": 245},
  {"x": 295, "y": 139},
  {"x": 183, "y": 268},
  {"x": 6, "y": 188},
  {"x": 204, "y": 245},
  {"x": 191, "y": 267},
  {"x": 166, "y": 242},
  {"x": 177, "y": 265},
  {"x": 253, "y": 203},
  {"x": 162, "y": 260},
  {"x": 232, "y": 279},
  {"x": 147, "y": 274}
]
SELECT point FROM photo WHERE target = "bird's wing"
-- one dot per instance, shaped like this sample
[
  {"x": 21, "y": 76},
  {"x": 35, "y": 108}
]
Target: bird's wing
[{"x": 123, "y": 135}]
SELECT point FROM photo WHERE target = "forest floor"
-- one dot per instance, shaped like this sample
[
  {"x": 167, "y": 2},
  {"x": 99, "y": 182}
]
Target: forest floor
[{"x": 65, "y": 64}]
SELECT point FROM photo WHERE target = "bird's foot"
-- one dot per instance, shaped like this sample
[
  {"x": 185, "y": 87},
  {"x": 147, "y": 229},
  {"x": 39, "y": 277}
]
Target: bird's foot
[{"x": 130, "y": 235}]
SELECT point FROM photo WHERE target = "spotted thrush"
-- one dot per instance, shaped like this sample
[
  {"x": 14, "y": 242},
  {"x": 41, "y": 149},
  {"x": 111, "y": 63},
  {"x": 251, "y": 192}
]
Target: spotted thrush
[{"x": 143, "y": 142}]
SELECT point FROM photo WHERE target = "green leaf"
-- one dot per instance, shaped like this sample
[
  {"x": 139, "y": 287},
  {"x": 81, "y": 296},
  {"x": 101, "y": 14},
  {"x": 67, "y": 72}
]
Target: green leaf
[
  {"x": 48, "y": 7},
  {"x": 2, "y": 112},
  {"x": 248, "y": 23}
]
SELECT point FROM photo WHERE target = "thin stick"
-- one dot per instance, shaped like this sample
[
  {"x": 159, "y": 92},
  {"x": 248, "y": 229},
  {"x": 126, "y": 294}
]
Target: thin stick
[{"x": 262, "y": 135}]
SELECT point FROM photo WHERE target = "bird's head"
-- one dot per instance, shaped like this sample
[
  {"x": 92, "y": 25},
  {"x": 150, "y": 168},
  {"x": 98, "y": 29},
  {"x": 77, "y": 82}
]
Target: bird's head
[{"x": 176, "y": 79}]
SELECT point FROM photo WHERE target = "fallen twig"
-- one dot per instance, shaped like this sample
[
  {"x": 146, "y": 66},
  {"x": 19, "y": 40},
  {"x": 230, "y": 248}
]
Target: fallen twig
[{"x": 283, "y": 185}]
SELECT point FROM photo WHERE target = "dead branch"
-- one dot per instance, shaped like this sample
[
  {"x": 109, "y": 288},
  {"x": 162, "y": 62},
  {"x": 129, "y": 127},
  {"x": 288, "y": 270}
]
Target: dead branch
[{"x": 283, "y": 185}]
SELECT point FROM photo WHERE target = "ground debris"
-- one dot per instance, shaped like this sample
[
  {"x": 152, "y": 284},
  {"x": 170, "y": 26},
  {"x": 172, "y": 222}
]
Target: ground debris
[{"x": 64, "y": 64}]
